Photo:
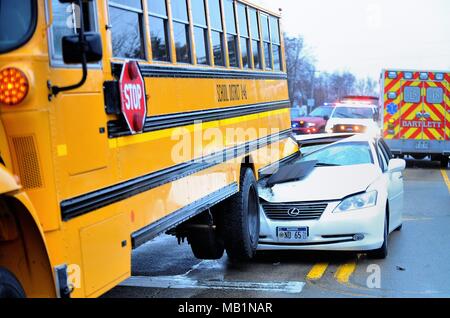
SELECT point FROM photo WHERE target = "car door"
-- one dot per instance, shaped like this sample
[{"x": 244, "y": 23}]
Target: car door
[{"x": 395, "y": 187}]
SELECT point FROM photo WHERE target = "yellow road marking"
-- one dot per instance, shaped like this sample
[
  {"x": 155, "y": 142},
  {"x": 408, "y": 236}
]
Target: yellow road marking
[
  {"x": 344, "y": 272},
  {"x": 317, "y": 271},
  {"x": 446, "y": 179}
]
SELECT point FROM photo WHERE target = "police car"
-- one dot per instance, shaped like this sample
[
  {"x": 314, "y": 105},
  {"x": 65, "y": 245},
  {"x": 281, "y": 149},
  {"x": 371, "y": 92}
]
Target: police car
[{"x": 355, "y": 115}]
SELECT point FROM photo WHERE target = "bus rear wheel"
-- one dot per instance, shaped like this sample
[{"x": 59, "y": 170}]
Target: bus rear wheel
[
  {"x": 9, "y": 285},
  {"x": 206, "y": 245},
  {"x": 444, "y": 162},
  {"x": 204, "y": 238},
  {"x": 419, "y": 156},
  {"x": 240, "y": 219}
]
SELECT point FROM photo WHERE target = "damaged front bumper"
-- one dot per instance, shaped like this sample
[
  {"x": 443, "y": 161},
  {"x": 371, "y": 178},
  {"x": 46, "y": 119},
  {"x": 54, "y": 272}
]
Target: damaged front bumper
[{"x": 359, "y": 230}]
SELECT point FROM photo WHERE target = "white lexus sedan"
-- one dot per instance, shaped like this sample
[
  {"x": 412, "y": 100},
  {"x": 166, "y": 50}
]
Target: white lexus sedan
[{"x": 342, "y": 194}]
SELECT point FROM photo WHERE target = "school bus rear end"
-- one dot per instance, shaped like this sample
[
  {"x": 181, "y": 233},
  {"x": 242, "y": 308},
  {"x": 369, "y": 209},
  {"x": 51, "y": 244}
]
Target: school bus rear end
[{"x": 78, "y": 191}]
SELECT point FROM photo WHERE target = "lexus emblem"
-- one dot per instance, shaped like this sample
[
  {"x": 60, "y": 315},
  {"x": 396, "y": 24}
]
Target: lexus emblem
[{"x": 294, "y": 212}]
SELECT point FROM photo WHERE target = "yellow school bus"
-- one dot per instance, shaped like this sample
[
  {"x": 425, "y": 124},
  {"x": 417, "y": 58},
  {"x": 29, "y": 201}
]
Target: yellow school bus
[{"x": 79, "y": 188}]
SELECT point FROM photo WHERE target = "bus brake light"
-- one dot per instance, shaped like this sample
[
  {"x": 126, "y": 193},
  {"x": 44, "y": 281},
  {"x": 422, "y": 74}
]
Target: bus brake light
[{"x": 14, "y": 86}]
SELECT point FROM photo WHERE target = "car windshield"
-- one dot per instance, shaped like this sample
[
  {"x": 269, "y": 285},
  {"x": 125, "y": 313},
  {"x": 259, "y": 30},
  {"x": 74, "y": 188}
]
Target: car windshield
[
  {"x": 17, "y": 22},
  {"x": 297, "y": 112},
  {"x": 322, "y": 112},
  {"x": 342, "y": 154},
  {"x": 309, "y": 149},
  {"x": 353, "y": 112}
]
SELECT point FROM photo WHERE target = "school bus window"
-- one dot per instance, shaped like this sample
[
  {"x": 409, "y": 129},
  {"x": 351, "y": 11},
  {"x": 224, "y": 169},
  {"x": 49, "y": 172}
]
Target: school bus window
[
  {"x": 244, "y": 34},
  {"x": 231, "y": 33},
  {"x": 64, "y": 23},
  {"x": 158, "y": 21},
  {"x": 181, "y": 31},
  {"x": 266, "y": 41},
  {"x": 200, "y": 31},
  {"x": 277, "y": 57},
  {"x": 127, "y": 29},
  {"x": 276, "y": 43},
  {"x": 216, "y": 32},
  {"x": 17, "y": 23},
  {"x": 254, "y": 30}
]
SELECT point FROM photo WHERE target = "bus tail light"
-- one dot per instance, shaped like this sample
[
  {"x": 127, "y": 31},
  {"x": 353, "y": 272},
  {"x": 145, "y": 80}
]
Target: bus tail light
[{"x": 14, "y": 86}]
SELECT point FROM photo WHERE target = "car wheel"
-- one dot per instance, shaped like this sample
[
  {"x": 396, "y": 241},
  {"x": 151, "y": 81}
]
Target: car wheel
[
  {"x": 382, "y": 252},
  {"x": 9, "y": 285},
  {"x": 240, "y": 219}
]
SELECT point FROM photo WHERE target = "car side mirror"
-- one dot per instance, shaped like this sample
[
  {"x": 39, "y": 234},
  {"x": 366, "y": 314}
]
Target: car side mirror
[
  {"x": 72, "y": 48},
  {"x": 326, "y": 117},
  {"x": 397, "y": 165}
]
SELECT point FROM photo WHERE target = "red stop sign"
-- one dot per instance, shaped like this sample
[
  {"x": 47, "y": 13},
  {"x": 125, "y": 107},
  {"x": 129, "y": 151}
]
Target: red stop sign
[{"x": 133, "y": 97}]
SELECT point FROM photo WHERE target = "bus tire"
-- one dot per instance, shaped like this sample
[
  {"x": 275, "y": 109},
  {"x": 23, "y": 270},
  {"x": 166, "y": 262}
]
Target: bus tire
[
  {"x": 206, "y": 244},
  {"x": 419, "y": 156},
  {"x": 444, "y": 162},
  {"x": 9, "y": 285},
  {"x": 241, "y": 224}
]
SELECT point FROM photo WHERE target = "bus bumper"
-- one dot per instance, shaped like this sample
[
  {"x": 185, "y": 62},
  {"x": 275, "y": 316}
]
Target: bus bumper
[{"x": 407, "y": 146}]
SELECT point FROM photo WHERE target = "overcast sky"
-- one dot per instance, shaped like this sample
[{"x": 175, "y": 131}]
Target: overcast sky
[{"x": 364, "y": 36}]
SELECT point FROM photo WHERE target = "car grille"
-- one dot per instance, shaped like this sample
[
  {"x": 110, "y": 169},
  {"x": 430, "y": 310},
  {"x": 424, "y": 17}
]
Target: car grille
[{"x": 294, "y": 211}]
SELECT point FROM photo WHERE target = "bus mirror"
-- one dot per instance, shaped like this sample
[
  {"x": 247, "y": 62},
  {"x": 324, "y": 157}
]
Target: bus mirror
[
  {"x": 79, "y": 49},
  {"x": 72, "y": 49}
]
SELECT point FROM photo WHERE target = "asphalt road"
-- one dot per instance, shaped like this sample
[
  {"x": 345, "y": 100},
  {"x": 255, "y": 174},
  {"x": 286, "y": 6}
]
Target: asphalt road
[{"x": 418, "y": 264}]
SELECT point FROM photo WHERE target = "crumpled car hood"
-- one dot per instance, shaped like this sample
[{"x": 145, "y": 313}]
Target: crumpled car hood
[{"x": 323, "y": 183}]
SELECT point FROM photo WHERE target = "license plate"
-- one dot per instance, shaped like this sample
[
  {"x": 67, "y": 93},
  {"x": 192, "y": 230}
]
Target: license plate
[
  {"x": 422, "y": 145},
  {"x": 292, "y": 234}
]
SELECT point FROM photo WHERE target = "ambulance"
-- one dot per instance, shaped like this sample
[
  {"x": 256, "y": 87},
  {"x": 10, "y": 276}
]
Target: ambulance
[{"x": 416, "y": 113}]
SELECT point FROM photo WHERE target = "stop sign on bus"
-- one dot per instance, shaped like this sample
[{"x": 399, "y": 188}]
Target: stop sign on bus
[{"x": 133, "y": 97}]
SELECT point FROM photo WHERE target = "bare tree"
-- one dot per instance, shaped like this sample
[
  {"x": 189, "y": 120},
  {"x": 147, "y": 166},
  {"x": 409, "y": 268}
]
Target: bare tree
[
  {"x": 367, "y": 87},
  {"x": 325, "y": 87},
  {"x": 300, "y": 67}
]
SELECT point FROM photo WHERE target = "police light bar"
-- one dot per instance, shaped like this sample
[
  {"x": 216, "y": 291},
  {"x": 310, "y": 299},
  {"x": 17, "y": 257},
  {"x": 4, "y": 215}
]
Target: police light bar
[{"x": 359, "y": 99}]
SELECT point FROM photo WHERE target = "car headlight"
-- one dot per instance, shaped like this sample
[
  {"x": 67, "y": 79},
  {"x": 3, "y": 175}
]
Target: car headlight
[
  {"x": 295, "y": 124},
  {"x": 357, "y": 202},
  {"x": 310, "y": 125}
]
